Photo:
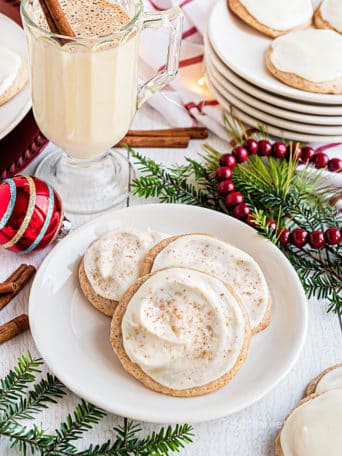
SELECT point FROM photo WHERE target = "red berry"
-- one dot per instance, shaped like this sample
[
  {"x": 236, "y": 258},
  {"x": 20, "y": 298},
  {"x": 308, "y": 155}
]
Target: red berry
[
  {"x": 265, "y": 148},
  {"x": 279, "y": 149},
  {"x": 272, "y": 224},
  {"x": 299, "y": 237},
  {"x": 294, "y": 150},
  {"x": 225, "y": 187},
  {"x": 321, "y": 160},
  {"x": 316, "y": 239},
  {"x": 333, "y": 236},
  {"x": 241, "y": 211},
  {"x": 234, "y": 198},
  {"x": 252, "y": 146},
  {"x": 335, "y": 165},
  {"x": 284, "y": 236},
  {"x": 307, "y": 154},
  {"x": 224, "y": 172},
  {"x": 240, "y": 153},
  {"x": 228, "y": 160}
]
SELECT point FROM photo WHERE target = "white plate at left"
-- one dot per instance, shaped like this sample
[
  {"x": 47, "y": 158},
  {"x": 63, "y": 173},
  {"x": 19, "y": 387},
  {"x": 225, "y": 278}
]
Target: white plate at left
[
  {"x": 12, "y": 112},
  {"x": 73, "y": 337}
]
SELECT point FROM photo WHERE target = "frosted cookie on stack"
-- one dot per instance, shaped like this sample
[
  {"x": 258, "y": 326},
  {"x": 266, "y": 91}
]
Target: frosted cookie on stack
[
  {"x": 273, "y": 18},
  {"x": 309, "y": 60},
  {"x": 329, "y": 15},
  {"x": 313, "y": 428},
  {"x": 213, "y": 256},
  {"x": 181, "y": 332},
  {"x": 329, "y": 379},
  {"x": 13, "y": 74},
  {"x": 111, "y": 264}
]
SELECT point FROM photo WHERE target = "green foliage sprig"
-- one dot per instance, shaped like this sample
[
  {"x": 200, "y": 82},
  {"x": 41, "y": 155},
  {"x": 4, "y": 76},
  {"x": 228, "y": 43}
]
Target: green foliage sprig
[
  {"x": 18, "y": 403},
  {"x": 274, "y": 190}
]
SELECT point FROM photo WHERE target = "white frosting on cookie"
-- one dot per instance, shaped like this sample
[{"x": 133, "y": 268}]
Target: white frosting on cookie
[
  {"x": 226, "y": 262},
  {"x": 280, "y": 14},
  {"x": 331, "y": 11},
  {"x": 10, "y": 63},
  {"x": 313, "y": 54},
  {"x": 314, "y": 428},
  {"x": 183, "y": 328},
  {"x": 112, "y": 262},
  {"x": 330, "y": 380}
]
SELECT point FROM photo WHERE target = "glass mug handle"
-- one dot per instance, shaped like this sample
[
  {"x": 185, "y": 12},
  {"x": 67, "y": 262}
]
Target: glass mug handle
[{"x": 172, "y": 20}]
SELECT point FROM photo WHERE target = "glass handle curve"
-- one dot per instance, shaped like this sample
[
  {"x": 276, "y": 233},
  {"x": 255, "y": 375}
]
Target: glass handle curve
[{"x": 172, "y": 20}]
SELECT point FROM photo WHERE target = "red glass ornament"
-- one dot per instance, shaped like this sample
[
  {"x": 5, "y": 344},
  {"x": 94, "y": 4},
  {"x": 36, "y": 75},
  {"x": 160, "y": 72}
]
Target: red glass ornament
[
  {"x": 299, "y": 237},
  {"x": 241, "y": 211},
  {"x": 225, "y": 187},
  {"x": 272, "y": 224},
  {"x": 279, "y": 149},
  {"x": 234, "y": 198},
  {"x": 240, "y": 153},
  {"x": 31, "y": 214},
  {"x": 228, "y": 160},
  {"x": 335, "y": 165},
  {"x": 307, "y": 154},
  {"x": 316, "y": 239},
  {"x": 321, "y": 160},
  {"x": 333, "y": 236},
  {"x": 223, "y": 172},
  {"x": 265, "y": 148},
  {"x": 252, "y": 146}
]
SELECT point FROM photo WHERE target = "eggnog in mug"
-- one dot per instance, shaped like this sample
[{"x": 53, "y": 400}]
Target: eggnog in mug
[{"x": 84, "y": 95}]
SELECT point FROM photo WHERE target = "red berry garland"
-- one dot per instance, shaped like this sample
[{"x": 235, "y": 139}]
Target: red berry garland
[{"x": 235, "y": 201}]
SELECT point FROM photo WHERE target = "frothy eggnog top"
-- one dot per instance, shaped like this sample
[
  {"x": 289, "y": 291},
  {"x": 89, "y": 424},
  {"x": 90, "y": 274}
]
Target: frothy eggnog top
[{"x": 91, "y": 17}]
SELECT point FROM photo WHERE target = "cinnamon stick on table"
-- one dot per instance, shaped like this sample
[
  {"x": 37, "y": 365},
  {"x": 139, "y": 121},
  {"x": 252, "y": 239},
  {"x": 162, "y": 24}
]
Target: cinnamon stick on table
[
  {"x": 7, "y": 287},
  {"x": 13, "y": 328},
  {"x": 192, "y": 133},
  {"x": 155, "y": 141},
  {"x": 20, "y": 277}
]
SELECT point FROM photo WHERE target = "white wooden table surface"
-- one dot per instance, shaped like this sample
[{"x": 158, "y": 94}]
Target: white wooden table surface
[{"x": 248, "y": 433}]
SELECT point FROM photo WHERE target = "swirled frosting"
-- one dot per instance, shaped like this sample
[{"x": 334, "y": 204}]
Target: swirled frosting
[
  {"x": 314, "y": 428},
  {"x": 10, "y": 63},
  {"x": 330, "y": 380},
  {"x": 113, "y": 261},
  {"x": 183, "y": 328},
  {"x": 226, "y": 262},
  {"x": 280, "y": 14}
]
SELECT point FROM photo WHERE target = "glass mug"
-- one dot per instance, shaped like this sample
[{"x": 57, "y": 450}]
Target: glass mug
[{"x": 85, "y": 94}]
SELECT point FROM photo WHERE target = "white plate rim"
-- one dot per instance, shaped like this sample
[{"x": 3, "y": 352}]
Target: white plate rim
[
  {"x": 221, "y": 13},
  {"x": 27, "y": 106},
  {"x": 230, "y": 89},
  {"x": 270, "y": 117},
  {"x": 272, "y": 129},
  {"x": 144, "y": 416}
]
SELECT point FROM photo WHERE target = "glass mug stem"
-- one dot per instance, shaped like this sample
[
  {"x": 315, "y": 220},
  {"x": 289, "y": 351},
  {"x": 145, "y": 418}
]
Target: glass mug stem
[{"x": 172, "y": 20}]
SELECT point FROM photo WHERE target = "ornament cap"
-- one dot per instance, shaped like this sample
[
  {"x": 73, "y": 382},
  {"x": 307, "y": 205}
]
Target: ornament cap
[{"x": 65, "y": 229}]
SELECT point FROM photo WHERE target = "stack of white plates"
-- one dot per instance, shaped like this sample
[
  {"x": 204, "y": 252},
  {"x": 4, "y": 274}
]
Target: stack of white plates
[{"x": 238, "y": 77}]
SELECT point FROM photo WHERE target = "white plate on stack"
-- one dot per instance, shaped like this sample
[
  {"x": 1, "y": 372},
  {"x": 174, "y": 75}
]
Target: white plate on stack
[{"x": 238, "y": 77}]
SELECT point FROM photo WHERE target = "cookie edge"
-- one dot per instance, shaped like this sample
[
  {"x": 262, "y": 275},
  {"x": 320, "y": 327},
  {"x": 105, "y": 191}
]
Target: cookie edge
[
  {"x": 311, "y": 388},
  {"x": 17, "y": 85}
]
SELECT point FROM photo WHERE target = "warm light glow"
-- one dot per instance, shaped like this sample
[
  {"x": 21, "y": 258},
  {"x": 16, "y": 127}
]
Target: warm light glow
[{"x": 201, "y": 82}]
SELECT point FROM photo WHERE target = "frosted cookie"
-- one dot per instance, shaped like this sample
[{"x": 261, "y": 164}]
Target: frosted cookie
[
  {"x": 313, "y": 428},
  {"x": 213, "y": 256},
  {"x": 13, "y": 74},
  {"x": 181, "y": 332},
  {"x": 329, "y": 15},
  {"x": 327, "y": 380},
  {"x": 309, "y": 60},
  {"x": 273, "y": 18},
  {"x": 111, "y": 265}
]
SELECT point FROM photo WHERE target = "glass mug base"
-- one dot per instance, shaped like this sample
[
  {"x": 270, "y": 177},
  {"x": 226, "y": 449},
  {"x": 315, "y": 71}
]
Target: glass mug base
[{"x": 88, "y": 186}]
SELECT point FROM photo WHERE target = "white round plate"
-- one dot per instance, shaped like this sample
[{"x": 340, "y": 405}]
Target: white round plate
[
  {"x": 243, "y": 50},
  {"x": 268, "y": 108},
  {"x": 246, "y": 118},
  {"x": 12, "y": 112},
  {"x": 274, "y": 120},
  {"x": 73, "y": 337},
  {"x": 330, "y": 115}
]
